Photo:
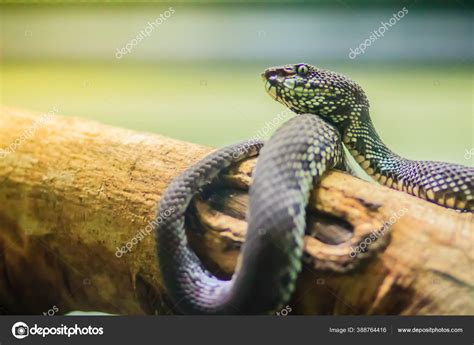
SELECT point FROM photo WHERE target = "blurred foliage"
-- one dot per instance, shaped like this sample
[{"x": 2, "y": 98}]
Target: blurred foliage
[
  {"x": 420, "y": 111},
  {"x": 330, "y": 3},
  {"x": 197, "y": 78}
]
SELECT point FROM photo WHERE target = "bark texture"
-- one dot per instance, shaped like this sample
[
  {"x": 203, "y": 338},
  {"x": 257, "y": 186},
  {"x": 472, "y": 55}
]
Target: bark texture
[{"x": 72, "y": 192}]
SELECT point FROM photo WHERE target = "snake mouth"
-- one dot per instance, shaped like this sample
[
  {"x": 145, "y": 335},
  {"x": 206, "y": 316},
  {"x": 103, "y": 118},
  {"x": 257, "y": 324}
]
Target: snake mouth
[
  {"x": 272, "y": 90},
  {"x": 277, "y": 79},
  {"x": 272, "y": 84}
]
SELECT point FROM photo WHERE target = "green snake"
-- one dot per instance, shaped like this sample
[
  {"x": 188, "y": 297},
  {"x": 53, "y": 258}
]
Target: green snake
[{"x": 332, "y": 110}]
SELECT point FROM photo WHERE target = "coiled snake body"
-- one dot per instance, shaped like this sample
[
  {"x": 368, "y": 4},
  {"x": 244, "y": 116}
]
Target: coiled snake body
[{"x": 332, "y": 110}]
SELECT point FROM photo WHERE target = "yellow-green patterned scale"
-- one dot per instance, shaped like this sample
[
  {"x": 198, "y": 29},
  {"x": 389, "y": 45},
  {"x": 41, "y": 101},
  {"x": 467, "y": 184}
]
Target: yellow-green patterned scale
[
  {"x": 332, "y": 110},
  {"x": 341, "y": 102}
]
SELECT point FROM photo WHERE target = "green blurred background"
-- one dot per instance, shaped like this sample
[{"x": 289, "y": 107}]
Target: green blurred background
[{"x": 197, "y": 76}]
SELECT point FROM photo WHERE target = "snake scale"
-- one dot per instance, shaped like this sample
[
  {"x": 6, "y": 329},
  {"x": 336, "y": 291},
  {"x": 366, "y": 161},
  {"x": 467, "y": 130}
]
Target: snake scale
[{"x": 332, "y": 110}]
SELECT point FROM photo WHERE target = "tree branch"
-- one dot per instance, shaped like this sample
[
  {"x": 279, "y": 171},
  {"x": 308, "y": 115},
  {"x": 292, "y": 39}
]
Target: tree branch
[{"x": 74, "y": 191}]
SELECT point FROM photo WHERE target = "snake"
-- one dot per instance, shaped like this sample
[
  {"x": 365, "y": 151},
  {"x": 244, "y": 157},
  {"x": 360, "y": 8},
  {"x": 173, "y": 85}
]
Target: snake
[{"x": 332, "y": 112}]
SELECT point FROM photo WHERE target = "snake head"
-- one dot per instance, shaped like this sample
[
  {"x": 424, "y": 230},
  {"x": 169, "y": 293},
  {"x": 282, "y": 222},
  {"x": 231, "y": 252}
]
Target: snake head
[{"x": 307, "y": 89}]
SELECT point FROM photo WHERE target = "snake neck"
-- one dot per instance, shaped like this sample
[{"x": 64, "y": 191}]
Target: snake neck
[
  {"x": 369, "y": 151},
  {"x": 448, "y": 185}
]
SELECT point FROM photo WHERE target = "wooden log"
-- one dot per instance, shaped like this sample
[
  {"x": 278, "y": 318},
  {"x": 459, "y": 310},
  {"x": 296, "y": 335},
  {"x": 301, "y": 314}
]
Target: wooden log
[{"x": 77, "y": 199}]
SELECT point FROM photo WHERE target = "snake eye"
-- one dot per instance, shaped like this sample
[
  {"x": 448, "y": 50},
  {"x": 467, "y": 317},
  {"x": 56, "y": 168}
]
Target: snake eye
[{"x": 302, "y": 70}]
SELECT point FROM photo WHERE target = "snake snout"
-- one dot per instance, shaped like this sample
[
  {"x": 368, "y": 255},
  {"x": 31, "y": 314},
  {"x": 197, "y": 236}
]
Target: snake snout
[
  {"x": 271, "y": 76},
  {"x": 274, "y": 74}
]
